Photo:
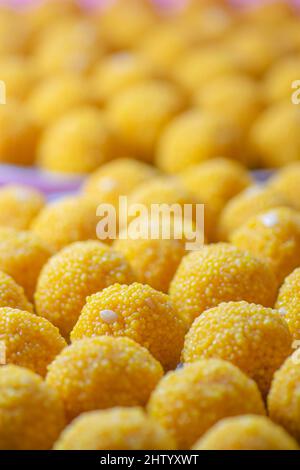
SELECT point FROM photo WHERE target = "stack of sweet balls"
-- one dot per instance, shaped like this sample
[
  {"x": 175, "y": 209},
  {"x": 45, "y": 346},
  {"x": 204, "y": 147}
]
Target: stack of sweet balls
[{"x": 111, "y": 343}]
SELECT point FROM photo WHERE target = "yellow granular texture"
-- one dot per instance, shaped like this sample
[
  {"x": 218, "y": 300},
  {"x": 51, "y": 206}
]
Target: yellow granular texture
[
  {"x": 69, "y": 44},
  {"x": 273, "y": 235},
  {"x": 286, "y": 181},
  {"x": 200, "y": 66},
  {"x": 219, "y": 96},
  {"x": 103, "y": 372},
  {"x": 220, "y": 273},
  {"x": 189, "y": 401},
  {"x": 154, "y": 261},
  {"x": 78, "y": 142},
  {"x": 277, "y": 84},
  {"x": 114, "y": 429},
  {"x": 19, "y": 134},
  {"x": 22, "y": 256},
  {"x": 139, "y": 114},
  {"x": 18, "y": 75},
  {"x": 115, "y": 73},
  {"x": 247, "y": 432},
  {"x": 284, "y": 396},
  {"x": 19, "y": 205},
  {"x": 31, "y": 413},
  {"x": 250, "y": 202},
  {"x": 193, "y": 137},
  {"x": 168, "y": 192},
  {"x": 117, "y": 178},
  {"x": 216, "y": 181},
  {"x": 275, "y": 135},
  {"x": 123, "y": 24},
  {"x": 65, "y": 221},
  {"x": 30, "y": 341},
  {"x": 12, "y": 295},
  {"x": 77, "y": 271},
  {"x": 254, "y": 338},
  {"x": 138, "y": 312},
  {"x": 55, "y": 96},
  {"x": 288, "y": 302}
]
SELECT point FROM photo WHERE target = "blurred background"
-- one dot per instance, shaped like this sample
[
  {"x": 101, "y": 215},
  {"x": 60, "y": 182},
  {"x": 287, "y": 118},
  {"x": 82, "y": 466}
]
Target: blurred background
[{"x": 171, "y": 83}]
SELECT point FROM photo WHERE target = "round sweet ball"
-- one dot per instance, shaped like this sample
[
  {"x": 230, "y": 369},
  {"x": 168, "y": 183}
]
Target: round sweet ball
[
  {"x": 286, "y": 181},
  {"x": 117, "y": 178},
  {"x": 19, "y": 205},
  {"x": 247, "y": 432},
  {"x": 139, "y": 114},
  {"x": 22, "y": 256},
  {"x": 201, "y": 66},
  {"x": 273, "y": 235},
  {"x": 221, "y": 273},
  {"x": 12, "y": 295},
  {"x": 252, "y": 201},
  {"x": 216, "y": 181},
  {"x": 114, "y": 429},
  {"x": 288, "y": 302},
  {"x": 138, "y": 312},
  {"x": 254, "y": 338},
  {"x": 115, "y": 73},
  {"x": 219, "y": 96},
  {"x": 66, "y": 220},
  {"x": 31, "y": 413},
  {"x": 171, "y": 193},
  {"x": 188, "y": 401},
  {"x": 78, "y": 142},
  {"x": 193, "y": 137},
  {"x": 278, "y": 81},
  {"x": 18, "y": 75},
  {"x": 103, "y": 372},
  {"x": 75, "y": 272},
  {"x": 164, "y": 46},
  {"x": 154, "y": 260},
  {"x": 252, "y": 49},
  {"x": 284, "y": 397},
  {"x": 29, "y": 341},
  {"x": 123, "y": 24},
  {"x": 275, "y": 135},
  {"x": 69, "y": 44},
  {"x": 19, "y": 134},
  {"x": 56, "y": 96}
]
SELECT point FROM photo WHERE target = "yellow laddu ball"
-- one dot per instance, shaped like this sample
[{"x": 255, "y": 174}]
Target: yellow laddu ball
[
  {"x": 29, "y": 341},
  {"x": 193, "y": 137},
  {"x": 254, "y": 338},
  {"x": 114, "y": 429},
  {"x": 138, "y": 312},
  {"x": 139, "y": 114},
  {"x": 273, "y": 235},
  {"x": 12, "y": 295},
  {"x": 189, "y": 401},
  {"x": 19, "y": 205},
  {"x": 284, "y": 396},
  {"x": 286, "y": 181},
  {"x": 288, "y": 302},
  {"x": 78, "y": 142},
  {"x": 248, "y": 432},
  {"x": 221, "y": 273},
  {"x": 79, "y": 270},
  {"x": 252, "y": 201},
  {"x": 103, "y": 372},
  {"x": 31, "y": 412},
  {"x": 22, "y": 256}
]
